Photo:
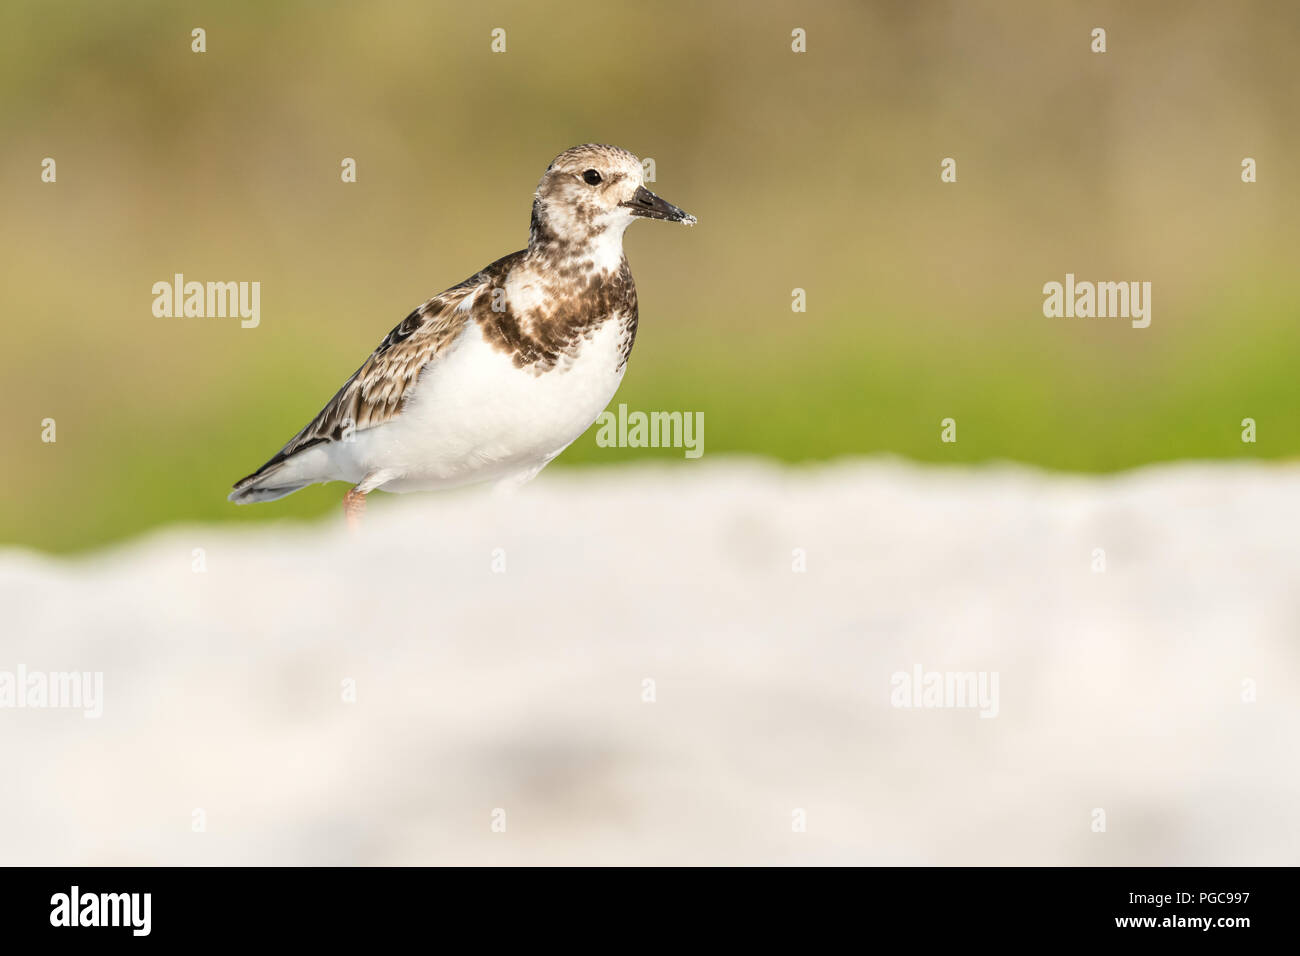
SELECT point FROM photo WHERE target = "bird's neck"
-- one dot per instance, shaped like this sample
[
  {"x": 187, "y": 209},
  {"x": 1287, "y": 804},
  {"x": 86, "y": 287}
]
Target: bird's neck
[
  {"x": 595, "y": 248},
  {"x": 600, "y": 252}
]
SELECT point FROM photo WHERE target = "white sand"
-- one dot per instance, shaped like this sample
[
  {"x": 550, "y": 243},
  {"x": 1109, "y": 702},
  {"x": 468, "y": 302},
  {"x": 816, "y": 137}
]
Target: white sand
[{"x": 476, "y": 690}]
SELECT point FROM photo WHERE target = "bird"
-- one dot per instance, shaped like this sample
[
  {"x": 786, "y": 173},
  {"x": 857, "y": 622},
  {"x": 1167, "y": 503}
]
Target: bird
[{"x": 492, "y": 379}]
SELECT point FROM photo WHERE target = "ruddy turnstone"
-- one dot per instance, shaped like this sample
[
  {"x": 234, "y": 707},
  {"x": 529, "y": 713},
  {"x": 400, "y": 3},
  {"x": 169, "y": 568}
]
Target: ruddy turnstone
[{"x": 492, "y": 379}]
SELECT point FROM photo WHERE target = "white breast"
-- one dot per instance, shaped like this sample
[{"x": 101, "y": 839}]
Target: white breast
[{"x": 475, "y": 416}]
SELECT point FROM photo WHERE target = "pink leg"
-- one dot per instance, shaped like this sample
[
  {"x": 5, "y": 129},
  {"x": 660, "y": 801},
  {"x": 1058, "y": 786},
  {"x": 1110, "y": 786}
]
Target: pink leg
[{"x": 354, "y": 506}]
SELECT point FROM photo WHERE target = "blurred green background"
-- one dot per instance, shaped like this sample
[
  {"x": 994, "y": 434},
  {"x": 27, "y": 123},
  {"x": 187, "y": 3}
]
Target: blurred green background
[{"x": 817, "y": 170}]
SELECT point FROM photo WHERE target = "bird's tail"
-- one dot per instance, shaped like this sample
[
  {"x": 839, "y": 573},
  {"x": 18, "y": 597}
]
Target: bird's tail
[{"x": 262, "y": 485}]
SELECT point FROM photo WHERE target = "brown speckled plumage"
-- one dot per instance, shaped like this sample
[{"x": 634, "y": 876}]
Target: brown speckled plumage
[{"x": 538, "y": 339}]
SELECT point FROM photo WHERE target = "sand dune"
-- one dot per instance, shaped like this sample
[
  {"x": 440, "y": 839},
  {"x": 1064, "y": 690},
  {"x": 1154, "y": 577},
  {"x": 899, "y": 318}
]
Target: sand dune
[{"x": 521, "y": 690}]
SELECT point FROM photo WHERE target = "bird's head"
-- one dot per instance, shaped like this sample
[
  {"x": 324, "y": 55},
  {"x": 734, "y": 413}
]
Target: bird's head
[{"x": 593, "y": 192}]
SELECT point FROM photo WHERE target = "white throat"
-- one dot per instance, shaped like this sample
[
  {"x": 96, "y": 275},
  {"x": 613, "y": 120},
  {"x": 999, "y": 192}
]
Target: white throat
[{"x": 606, "y": 248}]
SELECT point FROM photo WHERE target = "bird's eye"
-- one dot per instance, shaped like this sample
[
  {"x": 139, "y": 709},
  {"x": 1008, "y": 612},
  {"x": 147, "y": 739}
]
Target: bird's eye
[{"x": 591, "y": 177}]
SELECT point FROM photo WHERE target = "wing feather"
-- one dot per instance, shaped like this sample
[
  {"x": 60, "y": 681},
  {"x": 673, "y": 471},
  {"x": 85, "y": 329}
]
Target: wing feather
[{"x": 375, "y": 392}]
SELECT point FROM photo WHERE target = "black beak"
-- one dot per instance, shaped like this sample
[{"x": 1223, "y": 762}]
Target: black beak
[{"x": 645, "y": 203}]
